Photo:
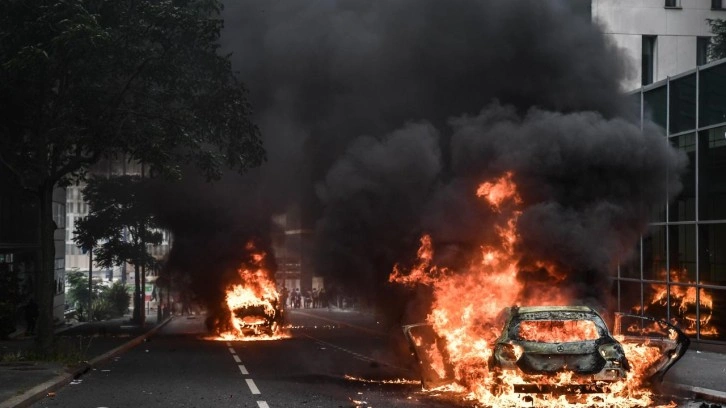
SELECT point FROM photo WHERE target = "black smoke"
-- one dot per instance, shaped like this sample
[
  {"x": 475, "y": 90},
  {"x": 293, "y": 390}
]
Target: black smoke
[{"x": 379, "y": 119}]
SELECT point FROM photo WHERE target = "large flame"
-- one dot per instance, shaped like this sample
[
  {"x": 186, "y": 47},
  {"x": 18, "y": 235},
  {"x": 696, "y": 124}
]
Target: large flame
[
  {"x": 256, "y": 291},
  {"x": 467, "y": 306},
  {"x": 683, "y": 300}
]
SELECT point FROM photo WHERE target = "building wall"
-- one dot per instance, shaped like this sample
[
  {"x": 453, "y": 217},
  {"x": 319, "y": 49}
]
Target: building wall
[
  {"x": 678, "y": 272},
  {"x": 59, "y": 217},
  {"x": 77, "y": 207},
  {"x": 677, "y": 29}
]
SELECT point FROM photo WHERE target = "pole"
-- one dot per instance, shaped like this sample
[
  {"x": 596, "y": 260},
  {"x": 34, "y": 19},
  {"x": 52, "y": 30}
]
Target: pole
[{"x": 90, "y": 283}]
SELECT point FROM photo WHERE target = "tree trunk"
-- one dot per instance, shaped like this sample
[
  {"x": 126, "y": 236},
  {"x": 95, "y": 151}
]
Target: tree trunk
[
  {"x": 137, "y": 297},
  {"x": 143, "y": 294},
  {"x": 45, "y": 271}
]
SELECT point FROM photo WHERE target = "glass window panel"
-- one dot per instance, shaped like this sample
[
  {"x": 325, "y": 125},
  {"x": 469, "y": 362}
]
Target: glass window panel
[
  {"x": 712, "y": 96},
  {"x": 655, "y": 105},
  {"x": 683, "y": 307},
  {"x": 655, "y": 301},
  {"x": 683, "y": 104},
  {"x": 636, "y": 103},
  {"x": 682, "y": 243},
  {"x": 630, "y": 267},
  {"x": 658, "y": 212},
  {"x": 712, "y": 314},
  {"x": 683, "y": 207},
  {"x": 630, "y": 297},
  {"x": 712, "y": 256},
  {"x": 654, "y": 253},
  {"x": 712, "y": 168}
]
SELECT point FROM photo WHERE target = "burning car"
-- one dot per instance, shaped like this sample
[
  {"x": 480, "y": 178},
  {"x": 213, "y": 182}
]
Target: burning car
[
  {"x": 545, "y": 340},
  {"x": 557, "y": 350},
  {"x": 260, "y": 319}
]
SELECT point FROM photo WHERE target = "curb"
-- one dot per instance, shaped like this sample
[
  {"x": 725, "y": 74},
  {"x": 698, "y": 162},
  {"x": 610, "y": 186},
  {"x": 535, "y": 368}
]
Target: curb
[
  {"x": 699, "y": 393},
  {"x": 40, "y": 391}
]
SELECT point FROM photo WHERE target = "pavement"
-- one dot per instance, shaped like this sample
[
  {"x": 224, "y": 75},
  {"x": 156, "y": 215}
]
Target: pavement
[
  {"x": 81, "y": 347},
  {"x": 700, "y": 374}
]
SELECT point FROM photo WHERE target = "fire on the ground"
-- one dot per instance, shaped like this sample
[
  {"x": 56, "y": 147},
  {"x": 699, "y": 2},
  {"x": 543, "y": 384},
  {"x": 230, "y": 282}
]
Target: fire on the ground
[{"x": 496, "y": 341}]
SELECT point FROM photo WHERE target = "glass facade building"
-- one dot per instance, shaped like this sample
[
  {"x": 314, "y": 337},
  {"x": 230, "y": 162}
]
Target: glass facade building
[{"x": 679, "y": 271}]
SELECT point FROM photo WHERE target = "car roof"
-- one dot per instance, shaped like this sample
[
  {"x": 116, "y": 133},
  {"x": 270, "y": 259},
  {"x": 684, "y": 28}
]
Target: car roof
[{"x": 537, "y": 309}]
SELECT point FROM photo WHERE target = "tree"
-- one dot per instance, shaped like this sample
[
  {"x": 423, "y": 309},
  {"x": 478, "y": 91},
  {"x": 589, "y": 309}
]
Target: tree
[
  {"x": 717, "y": 46},
  {"x": 86, "y": 79},
  {"x": 119, "y": 218}
]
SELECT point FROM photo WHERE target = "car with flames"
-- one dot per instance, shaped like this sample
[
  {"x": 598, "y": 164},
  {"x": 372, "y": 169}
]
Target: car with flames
[
  {"x": 546, "y": 340},
  {"x": 540, "y": 342},
  {"x": 258, "y": 319}
]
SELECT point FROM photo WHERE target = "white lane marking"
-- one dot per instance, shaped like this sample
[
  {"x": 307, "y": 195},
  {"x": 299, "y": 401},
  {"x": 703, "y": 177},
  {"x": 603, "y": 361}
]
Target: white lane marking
[
  {"x": 236, "y": 358},
  {"x": 243, "y": 369},
  {"x": 253, "y": 387},
  {"x": 231, "y": 350},
  {"x": 229, "y": 344},
  {"x": 262, "y": 404}
]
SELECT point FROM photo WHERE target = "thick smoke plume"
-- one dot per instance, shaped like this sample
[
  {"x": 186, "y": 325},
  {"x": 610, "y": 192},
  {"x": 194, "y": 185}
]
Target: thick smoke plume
[{"x": 380, "y": 118}]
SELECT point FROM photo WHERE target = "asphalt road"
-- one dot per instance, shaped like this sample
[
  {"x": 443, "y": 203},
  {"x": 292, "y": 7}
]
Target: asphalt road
[
  {"x": 326, "y": 363},
  {"x": 332, "y": 359}
]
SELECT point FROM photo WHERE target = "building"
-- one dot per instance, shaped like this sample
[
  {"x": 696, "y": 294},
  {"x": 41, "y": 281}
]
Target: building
[
  {"x": 20, "y": 249},
  {"x": 686, "y": 237},
  {"x": 662, "y": 37},
  {"x": 292, "y": 244},
  {"x": 78, "y": 260}
]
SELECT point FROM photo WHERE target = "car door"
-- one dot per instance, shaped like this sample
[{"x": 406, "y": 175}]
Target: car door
[{"x": 639, "y": 330}]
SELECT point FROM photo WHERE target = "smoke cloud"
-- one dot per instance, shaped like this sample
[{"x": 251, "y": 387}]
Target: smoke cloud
[{"x": 380, "y": 118}]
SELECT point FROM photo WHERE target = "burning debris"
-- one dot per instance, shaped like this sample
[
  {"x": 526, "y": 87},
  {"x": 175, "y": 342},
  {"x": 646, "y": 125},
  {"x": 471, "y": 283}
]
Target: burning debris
[
  {"x": 559, "y": 353},
  {"x": 252, "y": 309}
]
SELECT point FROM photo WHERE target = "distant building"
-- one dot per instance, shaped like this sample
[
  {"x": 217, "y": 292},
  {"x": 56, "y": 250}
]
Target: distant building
[
  {"x": 20, "y": 245},
  {"x": 78, "y": 260},
  {"x": 662, "y": 37},
  {"x": 293, "y": 244}
]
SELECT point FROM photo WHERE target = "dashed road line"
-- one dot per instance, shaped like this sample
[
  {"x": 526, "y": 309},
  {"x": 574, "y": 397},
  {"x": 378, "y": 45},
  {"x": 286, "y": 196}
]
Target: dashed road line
[
  {"x": 262, "y": 404},
  {"x": 243, "y": 370},
  {"x": 231, "y": 350},
  {"x": 253, "y": 388},
  {"x": 229, "y": 344},
  {"x": 236, "y": 358}
]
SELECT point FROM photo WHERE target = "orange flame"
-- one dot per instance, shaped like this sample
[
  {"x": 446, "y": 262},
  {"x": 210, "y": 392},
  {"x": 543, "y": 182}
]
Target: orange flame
[
  {"x": 257, "y": 291},
  {"x": 467, "y": 306},
  {"x": 683, "y": 300}
]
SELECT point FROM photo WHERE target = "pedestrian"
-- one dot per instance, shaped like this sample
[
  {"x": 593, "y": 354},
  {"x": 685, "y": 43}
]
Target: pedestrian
[
  {"x": 284, "y": 293},
  {"x": 31, "y": 316},
  {"x": 315, "y": 298}
]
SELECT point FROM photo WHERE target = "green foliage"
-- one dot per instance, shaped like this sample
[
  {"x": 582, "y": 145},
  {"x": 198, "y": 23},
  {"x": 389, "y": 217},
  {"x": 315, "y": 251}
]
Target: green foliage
[
  {"x": 118, "y": 298},
  {"x": 107, "y": 302},
  {"x": 119, "y": 219},
  {"x": 83, "y": 79},
  {"x": 717, "y": 46}
]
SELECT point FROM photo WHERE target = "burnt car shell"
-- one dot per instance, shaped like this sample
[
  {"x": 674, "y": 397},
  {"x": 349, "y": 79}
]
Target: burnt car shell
[
  {"x": 257, "y": 319},
  {"x": 596, "y": 357},
  {"x": 436, "y": 370}
]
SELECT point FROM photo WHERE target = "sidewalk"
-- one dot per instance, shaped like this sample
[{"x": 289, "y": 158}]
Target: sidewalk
[
  {"x": 82, "y": 346},
  {"x": 701, "y": 373}
]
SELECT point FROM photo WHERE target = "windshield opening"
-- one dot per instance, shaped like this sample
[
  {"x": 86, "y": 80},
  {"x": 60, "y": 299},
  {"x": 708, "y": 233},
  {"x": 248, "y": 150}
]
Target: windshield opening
[{"x": 557, "y": 331}]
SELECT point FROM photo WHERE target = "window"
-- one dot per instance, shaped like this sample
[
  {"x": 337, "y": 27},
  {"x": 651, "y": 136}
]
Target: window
[
  {"x": 672, "y": 3},
  {"x": 702, "y": 50},
  {"x": 717, "y": 4},
  {"x": 648, "y": 59}
]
